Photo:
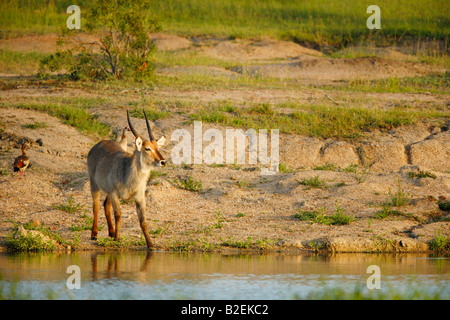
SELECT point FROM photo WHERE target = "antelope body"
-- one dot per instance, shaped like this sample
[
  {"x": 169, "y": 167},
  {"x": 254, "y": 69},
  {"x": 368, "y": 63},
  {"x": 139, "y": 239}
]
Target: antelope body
[{"x": 122, "y": 175}]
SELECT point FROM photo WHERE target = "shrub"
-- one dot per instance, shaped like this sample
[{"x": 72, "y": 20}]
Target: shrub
[
  {"x": 439, "y": 242},
  {"x": 337, "y": 219},
  {"x": 21, "y": 240},
  {"x": 124, "y": 47},
  {"x": 444, "y": 205}
]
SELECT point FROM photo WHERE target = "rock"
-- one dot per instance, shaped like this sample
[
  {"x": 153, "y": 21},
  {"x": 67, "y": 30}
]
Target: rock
[
  {"x": 303, "y": 153},
  {"x": 339, "y": 153},
  {"x": 433, "y": 153},
  {"x": 350, "y": 244},
  {"x": 384, "y": 155},
  {"x": 356, "y": 244},
  {"x": 410, "y": 134}
]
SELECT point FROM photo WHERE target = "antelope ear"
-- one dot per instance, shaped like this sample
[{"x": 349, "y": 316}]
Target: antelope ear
[
  {"x": 138, "y": 143},
  {"x": 161, "y": 141}
]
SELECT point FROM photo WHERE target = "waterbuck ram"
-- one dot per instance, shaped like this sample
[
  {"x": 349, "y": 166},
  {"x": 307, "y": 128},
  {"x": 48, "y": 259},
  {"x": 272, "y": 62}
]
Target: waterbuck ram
[{"x": 123, "y": 175}]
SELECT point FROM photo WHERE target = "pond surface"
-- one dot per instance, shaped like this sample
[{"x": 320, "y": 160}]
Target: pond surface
[{"x": 160, "y": 275}]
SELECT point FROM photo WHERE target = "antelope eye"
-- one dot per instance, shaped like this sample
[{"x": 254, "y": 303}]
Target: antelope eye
[{"x": 148, "y": 149}]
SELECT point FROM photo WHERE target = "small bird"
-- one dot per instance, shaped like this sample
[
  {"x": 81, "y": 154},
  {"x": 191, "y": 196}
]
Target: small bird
[
  {"x": 123, "y": 140},
  {"x": 22, "y": 162}
]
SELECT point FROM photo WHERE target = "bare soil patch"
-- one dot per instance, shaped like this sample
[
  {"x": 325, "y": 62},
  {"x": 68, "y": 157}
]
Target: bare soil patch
[
  {"x": 333, "y": 69},
  {"x": 244, "y": 50}
]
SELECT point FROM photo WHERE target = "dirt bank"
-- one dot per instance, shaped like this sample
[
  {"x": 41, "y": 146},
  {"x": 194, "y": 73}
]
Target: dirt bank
[{"x": 237, "y": 205}]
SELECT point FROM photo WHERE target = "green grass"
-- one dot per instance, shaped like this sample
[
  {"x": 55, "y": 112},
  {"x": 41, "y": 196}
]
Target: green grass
[
  {"x": 70, "y": 113},
  {"x": 439, "y": 242},
  {"x": 314, "y": 120},
  {"x": 189, "y": 183},
  {"x": 399, "y": 198},
  {"x": 387, "y": 212},
  {"x": 152, "y": 113},
  {"x": 19, "y": 62},
  {"x": 421, "y": 174},
  {"x": 242, "y": 244},
  {"x": 284, "y": 168},
  {"x": 35, "y": 125},
  {"x": 32, "y": 16},
  {"x": 339, "y": 218},
  {"x": 125, "y": 242},
  {"x": 438, "y": 83},
  {"x": 326, "y": 167},
  {"x": 219, "y": 220},
  {"x": 70, "y": 207},
  {"x": 316, "y": 216},
  {"x": 85, "y": 224},
  {"x": 414, "y": 291},
  {"x": 314, "y": 182},
  {"x": 315, "y": 22}
]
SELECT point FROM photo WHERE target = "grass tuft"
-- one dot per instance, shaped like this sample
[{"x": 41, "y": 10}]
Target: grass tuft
[{"x": 188, "y": 183}]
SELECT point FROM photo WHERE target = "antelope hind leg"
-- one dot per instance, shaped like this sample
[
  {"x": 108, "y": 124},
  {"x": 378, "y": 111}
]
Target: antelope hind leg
[
  {"x": 108, "y": 206},
  {"x": 117, "y": 214}
]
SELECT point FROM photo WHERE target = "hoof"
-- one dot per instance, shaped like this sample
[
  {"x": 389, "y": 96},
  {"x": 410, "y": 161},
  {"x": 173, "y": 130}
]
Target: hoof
[{"x": 93, "y": 238}]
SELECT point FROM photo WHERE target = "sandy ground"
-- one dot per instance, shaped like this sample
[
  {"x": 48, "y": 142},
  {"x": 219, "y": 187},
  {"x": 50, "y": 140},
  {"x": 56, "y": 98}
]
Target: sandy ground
[{"x": 237, "y": 202}]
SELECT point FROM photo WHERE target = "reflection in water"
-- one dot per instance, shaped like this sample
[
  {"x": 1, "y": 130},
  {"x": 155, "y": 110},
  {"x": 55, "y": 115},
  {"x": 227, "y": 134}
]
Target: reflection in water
[{"x": 147, "y": 275}]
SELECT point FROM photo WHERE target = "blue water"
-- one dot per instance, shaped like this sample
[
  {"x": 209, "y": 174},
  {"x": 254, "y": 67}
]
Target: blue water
[{"x": 138, "y": 275}]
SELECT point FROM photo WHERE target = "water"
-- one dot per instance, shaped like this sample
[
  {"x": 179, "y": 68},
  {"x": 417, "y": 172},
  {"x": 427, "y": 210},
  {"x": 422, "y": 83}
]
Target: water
[{"x": 142, "y": 275}]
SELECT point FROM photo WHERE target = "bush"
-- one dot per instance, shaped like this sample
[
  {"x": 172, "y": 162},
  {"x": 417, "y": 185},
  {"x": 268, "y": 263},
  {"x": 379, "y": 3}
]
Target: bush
[
  {"x": 23, "y": 240},
  {"x": 124, "y": 47},
  {"x": 318, "y": 216},
  {"x": 439, "y": 242}
]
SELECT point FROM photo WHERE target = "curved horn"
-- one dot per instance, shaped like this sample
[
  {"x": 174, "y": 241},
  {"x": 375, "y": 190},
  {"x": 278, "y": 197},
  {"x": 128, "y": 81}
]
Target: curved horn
[
  {"x": 131, "y": 127},
  {"x": 152, "y": 137}
]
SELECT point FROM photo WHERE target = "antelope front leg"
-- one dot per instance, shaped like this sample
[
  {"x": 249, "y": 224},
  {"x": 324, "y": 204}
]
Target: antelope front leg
[
  {"x": 95, "y": 206},
  {"x": 140, "y": 208}
]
